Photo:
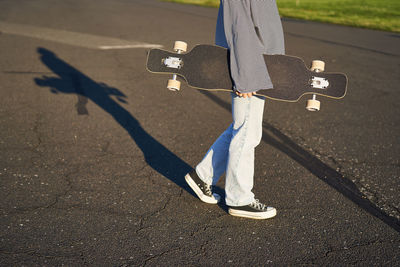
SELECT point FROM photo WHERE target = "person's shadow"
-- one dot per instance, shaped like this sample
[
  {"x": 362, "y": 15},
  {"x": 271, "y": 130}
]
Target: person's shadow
[{"x": 72, "y": 81}]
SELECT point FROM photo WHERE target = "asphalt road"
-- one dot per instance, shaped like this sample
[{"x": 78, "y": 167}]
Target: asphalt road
[{"x": 94, "y": 148}]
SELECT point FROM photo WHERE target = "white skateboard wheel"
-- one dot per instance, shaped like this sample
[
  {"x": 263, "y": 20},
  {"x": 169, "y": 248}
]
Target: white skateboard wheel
[
  {"x": 313, "y": 105},
  {"x": 174, "y": 85},
  {"x": 317, "y": 65},
  {"x": 179, "y": 45}
]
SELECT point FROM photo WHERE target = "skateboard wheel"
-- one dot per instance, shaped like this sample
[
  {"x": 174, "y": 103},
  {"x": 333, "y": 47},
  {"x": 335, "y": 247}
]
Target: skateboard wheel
[
  {"x": 317, "y": 65},
  {"x": 179, "y": 45},
  {"x": 174, "y": 85},
  {"x": 313, "y": 105}
]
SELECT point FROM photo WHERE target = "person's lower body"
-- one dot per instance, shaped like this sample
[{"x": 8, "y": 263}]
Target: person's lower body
[{"x": 233, "y": 153}]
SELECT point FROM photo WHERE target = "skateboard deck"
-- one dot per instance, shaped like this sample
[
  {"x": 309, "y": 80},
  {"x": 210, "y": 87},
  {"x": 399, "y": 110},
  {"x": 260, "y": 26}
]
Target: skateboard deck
[{"x": 206, "y": 67}]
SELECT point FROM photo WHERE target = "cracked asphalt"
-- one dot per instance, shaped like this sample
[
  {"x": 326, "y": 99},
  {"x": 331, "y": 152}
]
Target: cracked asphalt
[{"x": 94, "y": 148}]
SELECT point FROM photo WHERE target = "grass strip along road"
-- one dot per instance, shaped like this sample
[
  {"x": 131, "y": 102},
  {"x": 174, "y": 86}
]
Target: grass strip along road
[{"x": 372, "y": 14}]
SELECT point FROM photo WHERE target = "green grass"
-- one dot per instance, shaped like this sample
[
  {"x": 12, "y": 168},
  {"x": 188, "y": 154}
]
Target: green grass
[{"x": 373, "y": 14}]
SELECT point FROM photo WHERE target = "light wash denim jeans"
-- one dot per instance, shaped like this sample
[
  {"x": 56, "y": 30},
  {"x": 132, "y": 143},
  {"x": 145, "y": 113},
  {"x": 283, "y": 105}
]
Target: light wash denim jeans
[{"x": 233, "y": 151}]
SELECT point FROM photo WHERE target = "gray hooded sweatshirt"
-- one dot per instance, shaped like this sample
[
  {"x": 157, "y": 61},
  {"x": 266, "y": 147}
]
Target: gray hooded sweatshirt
[{"x": 249, "y": 29}]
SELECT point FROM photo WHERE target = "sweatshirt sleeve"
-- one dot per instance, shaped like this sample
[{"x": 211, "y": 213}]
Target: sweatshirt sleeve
[{"x": 252, "y": 28}]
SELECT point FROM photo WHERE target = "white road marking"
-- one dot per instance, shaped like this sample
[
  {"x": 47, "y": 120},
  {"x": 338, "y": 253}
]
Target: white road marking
[
  {"x": 72, "y": 38},
  {"x": 139, "y": 45}
]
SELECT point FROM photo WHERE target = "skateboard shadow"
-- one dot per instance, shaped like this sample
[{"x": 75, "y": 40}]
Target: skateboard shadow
[
  {"x": 333, "y": 178},
  {"x": 72, "y": 81}
]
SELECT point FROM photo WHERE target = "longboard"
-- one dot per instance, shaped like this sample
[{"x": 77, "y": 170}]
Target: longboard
[{"x": 206, "y": 67}]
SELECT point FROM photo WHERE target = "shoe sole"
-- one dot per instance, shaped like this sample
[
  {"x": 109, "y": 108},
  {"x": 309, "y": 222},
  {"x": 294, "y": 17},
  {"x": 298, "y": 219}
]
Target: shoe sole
[
  {"x": 253, "y": 215},
  {"x": 199, "y": 193}
]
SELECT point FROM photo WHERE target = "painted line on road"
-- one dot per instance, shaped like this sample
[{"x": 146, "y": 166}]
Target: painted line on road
[
  {"x": 72, "y": 38},
  {"x": 142, "y": 45}
]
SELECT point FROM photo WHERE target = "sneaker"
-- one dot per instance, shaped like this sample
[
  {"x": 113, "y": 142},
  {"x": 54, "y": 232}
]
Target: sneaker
[
  {"x": 202, "y": 190},
  {"x": 254, "y": 210}
]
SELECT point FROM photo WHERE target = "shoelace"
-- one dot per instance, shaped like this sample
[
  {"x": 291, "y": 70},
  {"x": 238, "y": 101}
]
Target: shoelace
[
  {"x": 257, "y": 205},
  {"x": 208, "y": 189}
]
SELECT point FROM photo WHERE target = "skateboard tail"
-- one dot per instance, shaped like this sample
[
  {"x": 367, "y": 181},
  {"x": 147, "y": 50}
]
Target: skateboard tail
[
  {"x": 204, "y": 67},
  {"x": 292, "y": 80}
]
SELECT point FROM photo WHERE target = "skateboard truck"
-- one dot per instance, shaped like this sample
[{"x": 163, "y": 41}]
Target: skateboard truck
[
  {"x": 317, "y": 82},
  {"x": 320, "y": 83},
  {"x": 175, "y": 62}
]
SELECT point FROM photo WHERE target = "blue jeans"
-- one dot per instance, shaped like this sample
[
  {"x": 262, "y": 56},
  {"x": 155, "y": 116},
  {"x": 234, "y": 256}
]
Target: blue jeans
[{"x": 233, "y": 151}]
